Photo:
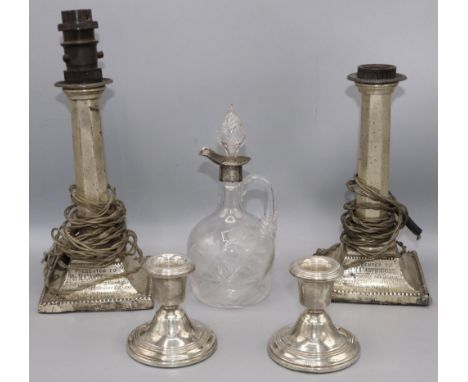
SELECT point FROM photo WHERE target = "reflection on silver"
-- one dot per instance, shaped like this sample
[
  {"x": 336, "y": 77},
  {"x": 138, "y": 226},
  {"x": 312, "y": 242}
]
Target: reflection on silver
[
  {"x": 314, "y": 344},
  {"x": 171, "y": 339}
]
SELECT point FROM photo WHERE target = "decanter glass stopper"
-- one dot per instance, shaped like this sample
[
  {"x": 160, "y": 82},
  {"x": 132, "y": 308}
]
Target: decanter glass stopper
[
  {"x": 314, "y": 344},
  {"x": 231, "y": 134},
  {"x": 171, "y": 339}
]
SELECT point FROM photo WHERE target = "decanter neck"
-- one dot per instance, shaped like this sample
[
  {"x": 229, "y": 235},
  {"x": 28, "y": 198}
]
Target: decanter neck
[{"x": 231, "y": 195}]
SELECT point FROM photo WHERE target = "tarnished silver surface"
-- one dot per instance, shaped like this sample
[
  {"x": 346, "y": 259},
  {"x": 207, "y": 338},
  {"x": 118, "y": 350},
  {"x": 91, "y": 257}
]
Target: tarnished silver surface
[
  {"x": 389, "y": 281},
  {"x": 123, "y": 293},
  {"x": 314, "y": 344},
  {"x": 171, "y": 339}
]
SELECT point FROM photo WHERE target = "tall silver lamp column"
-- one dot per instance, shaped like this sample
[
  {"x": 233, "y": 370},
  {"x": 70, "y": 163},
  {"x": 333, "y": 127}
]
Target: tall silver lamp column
[
  {"x": 85, "y": 282},
  {"x": 378, "y": 268}
]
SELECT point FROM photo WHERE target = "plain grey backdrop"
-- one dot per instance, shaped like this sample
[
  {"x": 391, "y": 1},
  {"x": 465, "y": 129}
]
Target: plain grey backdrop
[{"x": 176, "y": 66}]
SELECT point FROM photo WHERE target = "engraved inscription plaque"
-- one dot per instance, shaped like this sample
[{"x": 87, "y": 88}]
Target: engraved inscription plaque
[
  {"x": 383, "y": 282},
  {"x": 115, "y": 294}
]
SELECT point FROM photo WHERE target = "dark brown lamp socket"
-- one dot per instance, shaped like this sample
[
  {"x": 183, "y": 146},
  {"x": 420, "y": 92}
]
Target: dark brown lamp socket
[
  {"x": 80, "y": 46},
  {"x": 376, "y": 74}
]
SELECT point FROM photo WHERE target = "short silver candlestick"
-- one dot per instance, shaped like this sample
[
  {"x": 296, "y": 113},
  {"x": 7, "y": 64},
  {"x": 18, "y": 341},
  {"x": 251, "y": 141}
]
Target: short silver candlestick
[
  {"x": 314, "y": 344},
  {"x": 171, "y": 339}
]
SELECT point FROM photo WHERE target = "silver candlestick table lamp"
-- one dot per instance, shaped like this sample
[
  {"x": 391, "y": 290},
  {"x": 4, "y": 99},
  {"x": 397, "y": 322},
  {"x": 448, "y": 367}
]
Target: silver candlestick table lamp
[
  {"x": 378, "y": 268},
  {"x": 95, "y": 262}
]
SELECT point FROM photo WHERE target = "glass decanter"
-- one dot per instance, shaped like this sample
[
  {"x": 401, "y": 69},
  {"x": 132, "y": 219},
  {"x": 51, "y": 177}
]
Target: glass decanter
[{"x": 233, "y": 250}]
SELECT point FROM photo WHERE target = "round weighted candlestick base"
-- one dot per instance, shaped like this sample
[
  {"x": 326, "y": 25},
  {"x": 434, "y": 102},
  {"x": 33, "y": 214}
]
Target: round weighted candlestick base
[
  {"x": 171, "y": 339},
  {"x": 314, "y": 344}
]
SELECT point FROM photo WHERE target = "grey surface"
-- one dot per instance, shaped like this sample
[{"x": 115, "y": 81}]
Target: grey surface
[{"x": 177, "y": 65}]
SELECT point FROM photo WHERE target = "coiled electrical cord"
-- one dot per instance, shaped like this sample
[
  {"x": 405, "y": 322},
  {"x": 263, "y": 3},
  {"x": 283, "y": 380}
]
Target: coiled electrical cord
[
  {"x": 99, "y": 237},
  {"x": 373, "y": 237}
]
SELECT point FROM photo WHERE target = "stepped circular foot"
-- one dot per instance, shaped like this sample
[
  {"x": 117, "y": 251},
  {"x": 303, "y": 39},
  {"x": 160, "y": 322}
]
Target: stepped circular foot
[
  {"x": 296, "y": 354},
  {"x": 171, "y": 351}
]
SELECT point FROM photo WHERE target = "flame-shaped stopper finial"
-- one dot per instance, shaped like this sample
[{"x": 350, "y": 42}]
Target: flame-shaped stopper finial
[{"x": 231, "y": 135}]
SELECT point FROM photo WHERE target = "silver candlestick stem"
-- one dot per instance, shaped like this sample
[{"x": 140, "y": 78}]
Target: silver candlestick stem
[
  {"x": 88, "y": 150},
  {"x": 374, "y": 148},
  {"x": 314, "y": 344},
  {"x": 171, "y": 339}
]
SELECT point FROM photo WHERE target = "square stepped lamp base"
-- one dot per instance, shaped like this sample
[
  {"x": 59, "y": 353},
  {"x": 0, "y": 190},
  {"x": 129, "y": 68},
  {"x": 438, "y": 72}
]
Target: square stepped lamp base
[
  {"x": 394, "y": 280},
  {"x": 112, "y": 295}
]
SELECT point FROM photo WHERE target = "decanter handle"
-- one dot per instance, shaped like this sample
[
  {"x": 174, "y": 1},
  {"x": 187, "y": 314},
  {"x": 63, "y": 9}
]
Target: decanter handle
[{"x": 269, "y": 215}]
